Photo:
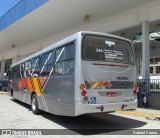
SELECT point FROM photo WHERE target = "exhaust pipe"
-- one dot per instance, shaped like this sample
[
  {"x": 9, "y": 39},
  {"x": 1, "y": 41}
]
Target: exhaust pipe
[{"x": 101, "y": 108}]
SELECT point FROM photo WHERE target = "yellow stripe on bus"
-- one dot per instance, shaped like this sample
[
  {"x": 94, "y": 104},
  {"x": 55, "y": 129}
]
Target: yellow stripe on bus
[
  {"x": 36, "y": 86},
  {"x": 95, "y": 85}
]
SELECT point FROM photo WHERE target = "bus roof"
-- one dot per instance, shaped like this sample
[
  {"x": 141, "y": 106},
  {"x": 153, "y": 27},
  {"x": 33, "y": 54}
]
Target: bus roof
[{"x": 64, "y": 41}]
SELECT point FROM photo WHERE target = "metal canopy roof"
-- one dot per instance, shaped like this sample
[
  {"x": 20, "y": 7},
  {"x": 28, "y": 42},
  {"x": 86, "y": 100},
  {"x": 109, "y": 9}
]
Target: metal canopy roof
[{"x": 57, "y": 16}]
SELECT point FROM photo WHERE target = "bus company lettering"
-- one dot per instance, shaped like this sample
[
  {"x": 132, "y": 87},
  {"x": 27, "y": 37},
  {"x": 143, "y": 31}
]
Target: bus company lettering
[{"x": 66, "y": 83}]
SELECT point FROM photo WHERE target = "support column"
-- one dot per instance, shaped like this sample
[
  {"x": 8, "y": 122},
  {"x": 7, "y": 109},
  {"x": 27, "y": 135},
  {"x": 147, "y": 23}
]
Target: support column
[
  {"x": 145, "y": 51},
  {"x": 137, "y": 68},
  {"x": 2, "y": 69}
]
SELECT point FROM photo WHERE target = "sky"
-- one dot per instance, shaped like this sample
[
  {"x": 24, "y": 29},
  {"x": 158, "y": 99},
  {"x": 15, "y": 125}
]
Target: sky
[{"x": 6, "y": 5}]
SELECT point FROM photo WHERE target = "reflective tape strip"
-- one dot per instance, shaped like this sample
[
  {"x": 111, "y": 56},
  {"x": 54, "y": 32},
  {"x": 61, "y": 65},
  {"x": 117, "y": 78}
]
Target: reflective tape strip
[
  {"x": 91, "y": 83},
  {"x": 30, "y": 87},
  {"x": 95, "y": 85},
  {"x": 101, "y": 84},
  {"x": 36, "y": 86},
  {"x": 109, "y": 85},
  {"x": 23, "y": 81}
]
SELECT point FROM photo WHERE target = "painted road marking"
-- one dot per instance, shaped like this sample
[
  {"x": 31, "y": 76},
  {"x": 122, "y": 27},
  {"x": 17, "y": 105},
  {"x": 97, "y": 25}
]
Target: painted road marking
[
  {"x": 3, "y": 93},
  {"x": 134, "y": 113}
]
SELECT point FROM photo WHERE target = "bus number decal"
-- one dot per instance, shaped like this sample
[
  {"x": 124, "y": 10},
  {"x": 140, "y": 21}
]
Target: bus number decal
[
  {"x": 121, "y": 78},
  {"x": 93, "y": 100}
]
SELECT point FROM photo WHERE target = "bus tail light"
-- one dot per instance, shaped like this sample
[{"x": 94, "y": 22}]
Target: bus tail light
[
  {"x": 134, "y": 93},
  {"x": 82, "y": 87},
  {"x": 135, "y": 90},
  {"x": 85, "y": 99},
  {"x": 83, "y": 93}
]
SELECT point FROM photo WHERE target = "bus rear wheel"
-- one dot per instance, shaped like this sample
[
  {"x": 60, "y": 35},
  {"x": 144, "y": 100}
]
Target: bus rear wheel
[{"x": 34, "y": 105}]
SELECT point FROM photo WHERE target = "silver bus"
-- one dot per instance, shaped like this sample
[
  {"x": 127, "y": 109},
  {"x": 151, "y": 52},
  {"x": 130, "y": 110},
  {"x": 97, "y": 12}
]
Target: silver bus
[{"x": 87, "y": 72}]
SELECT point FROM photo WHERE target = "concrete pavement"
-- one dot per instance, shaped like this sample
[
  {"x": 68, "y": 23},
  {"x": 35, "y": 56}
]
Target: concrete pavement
[
  {"x": 17, "y": 115},
  {"x": 141, "y": 112}
]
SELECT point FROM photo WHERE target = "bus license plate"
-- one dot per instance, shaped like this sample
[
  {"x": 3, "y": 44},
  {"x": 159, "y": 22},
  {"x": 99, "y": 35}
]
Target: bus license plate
[{"x": 111, "y": 94}]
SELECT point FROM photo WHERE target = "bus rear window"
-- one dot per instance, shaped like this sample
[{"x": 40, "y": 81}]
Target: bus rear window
[{"x": 106, "y": 49}]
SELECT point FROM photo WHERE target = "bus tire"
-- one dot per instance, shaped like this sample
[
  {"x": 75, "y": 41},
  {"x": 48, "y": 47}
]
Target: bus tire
[{"x": 34, "y": 105}]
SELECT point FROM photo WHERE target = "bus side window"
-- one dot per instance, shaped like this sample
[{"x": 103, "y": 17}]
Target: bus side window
[
  {"x": 18, "y": 72},
  {"x": 44, "y": 60},
  {"x": 64, "y": 64},
  {"x": 27, "y": 69},
  {"x": 50, "y": 65},
  {"x": 47, "y": 61},
  {"x": 22, "y": 70},
  {"x": 35, "y": 67},
  {"x": 14, "y": 73},
  {"x": 70, "y": 67}
]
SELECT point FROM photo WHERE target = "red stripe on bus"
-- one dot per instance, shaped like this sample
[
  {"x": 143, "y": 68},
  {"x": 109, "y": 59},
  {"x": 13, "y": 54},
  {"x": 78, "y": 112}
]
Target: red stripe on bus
[
  {"x": 110, "y": 65},
  {"x": 20, "y": 85},
  {"x": 24, "y": 83},
  {"x": 30, "y": 87}
]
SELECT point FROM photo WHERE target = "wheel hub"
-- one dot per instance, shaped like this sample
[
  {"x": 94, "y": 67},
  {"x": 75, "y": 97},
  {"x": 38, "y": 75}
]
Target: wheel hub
[{"x": 34, "y": 104}]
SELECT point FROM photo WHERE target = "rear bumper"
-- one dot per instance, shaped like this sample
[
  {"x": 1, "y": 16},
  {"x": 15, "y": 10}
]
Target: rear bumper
[{"x": 81, "y": 108}]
